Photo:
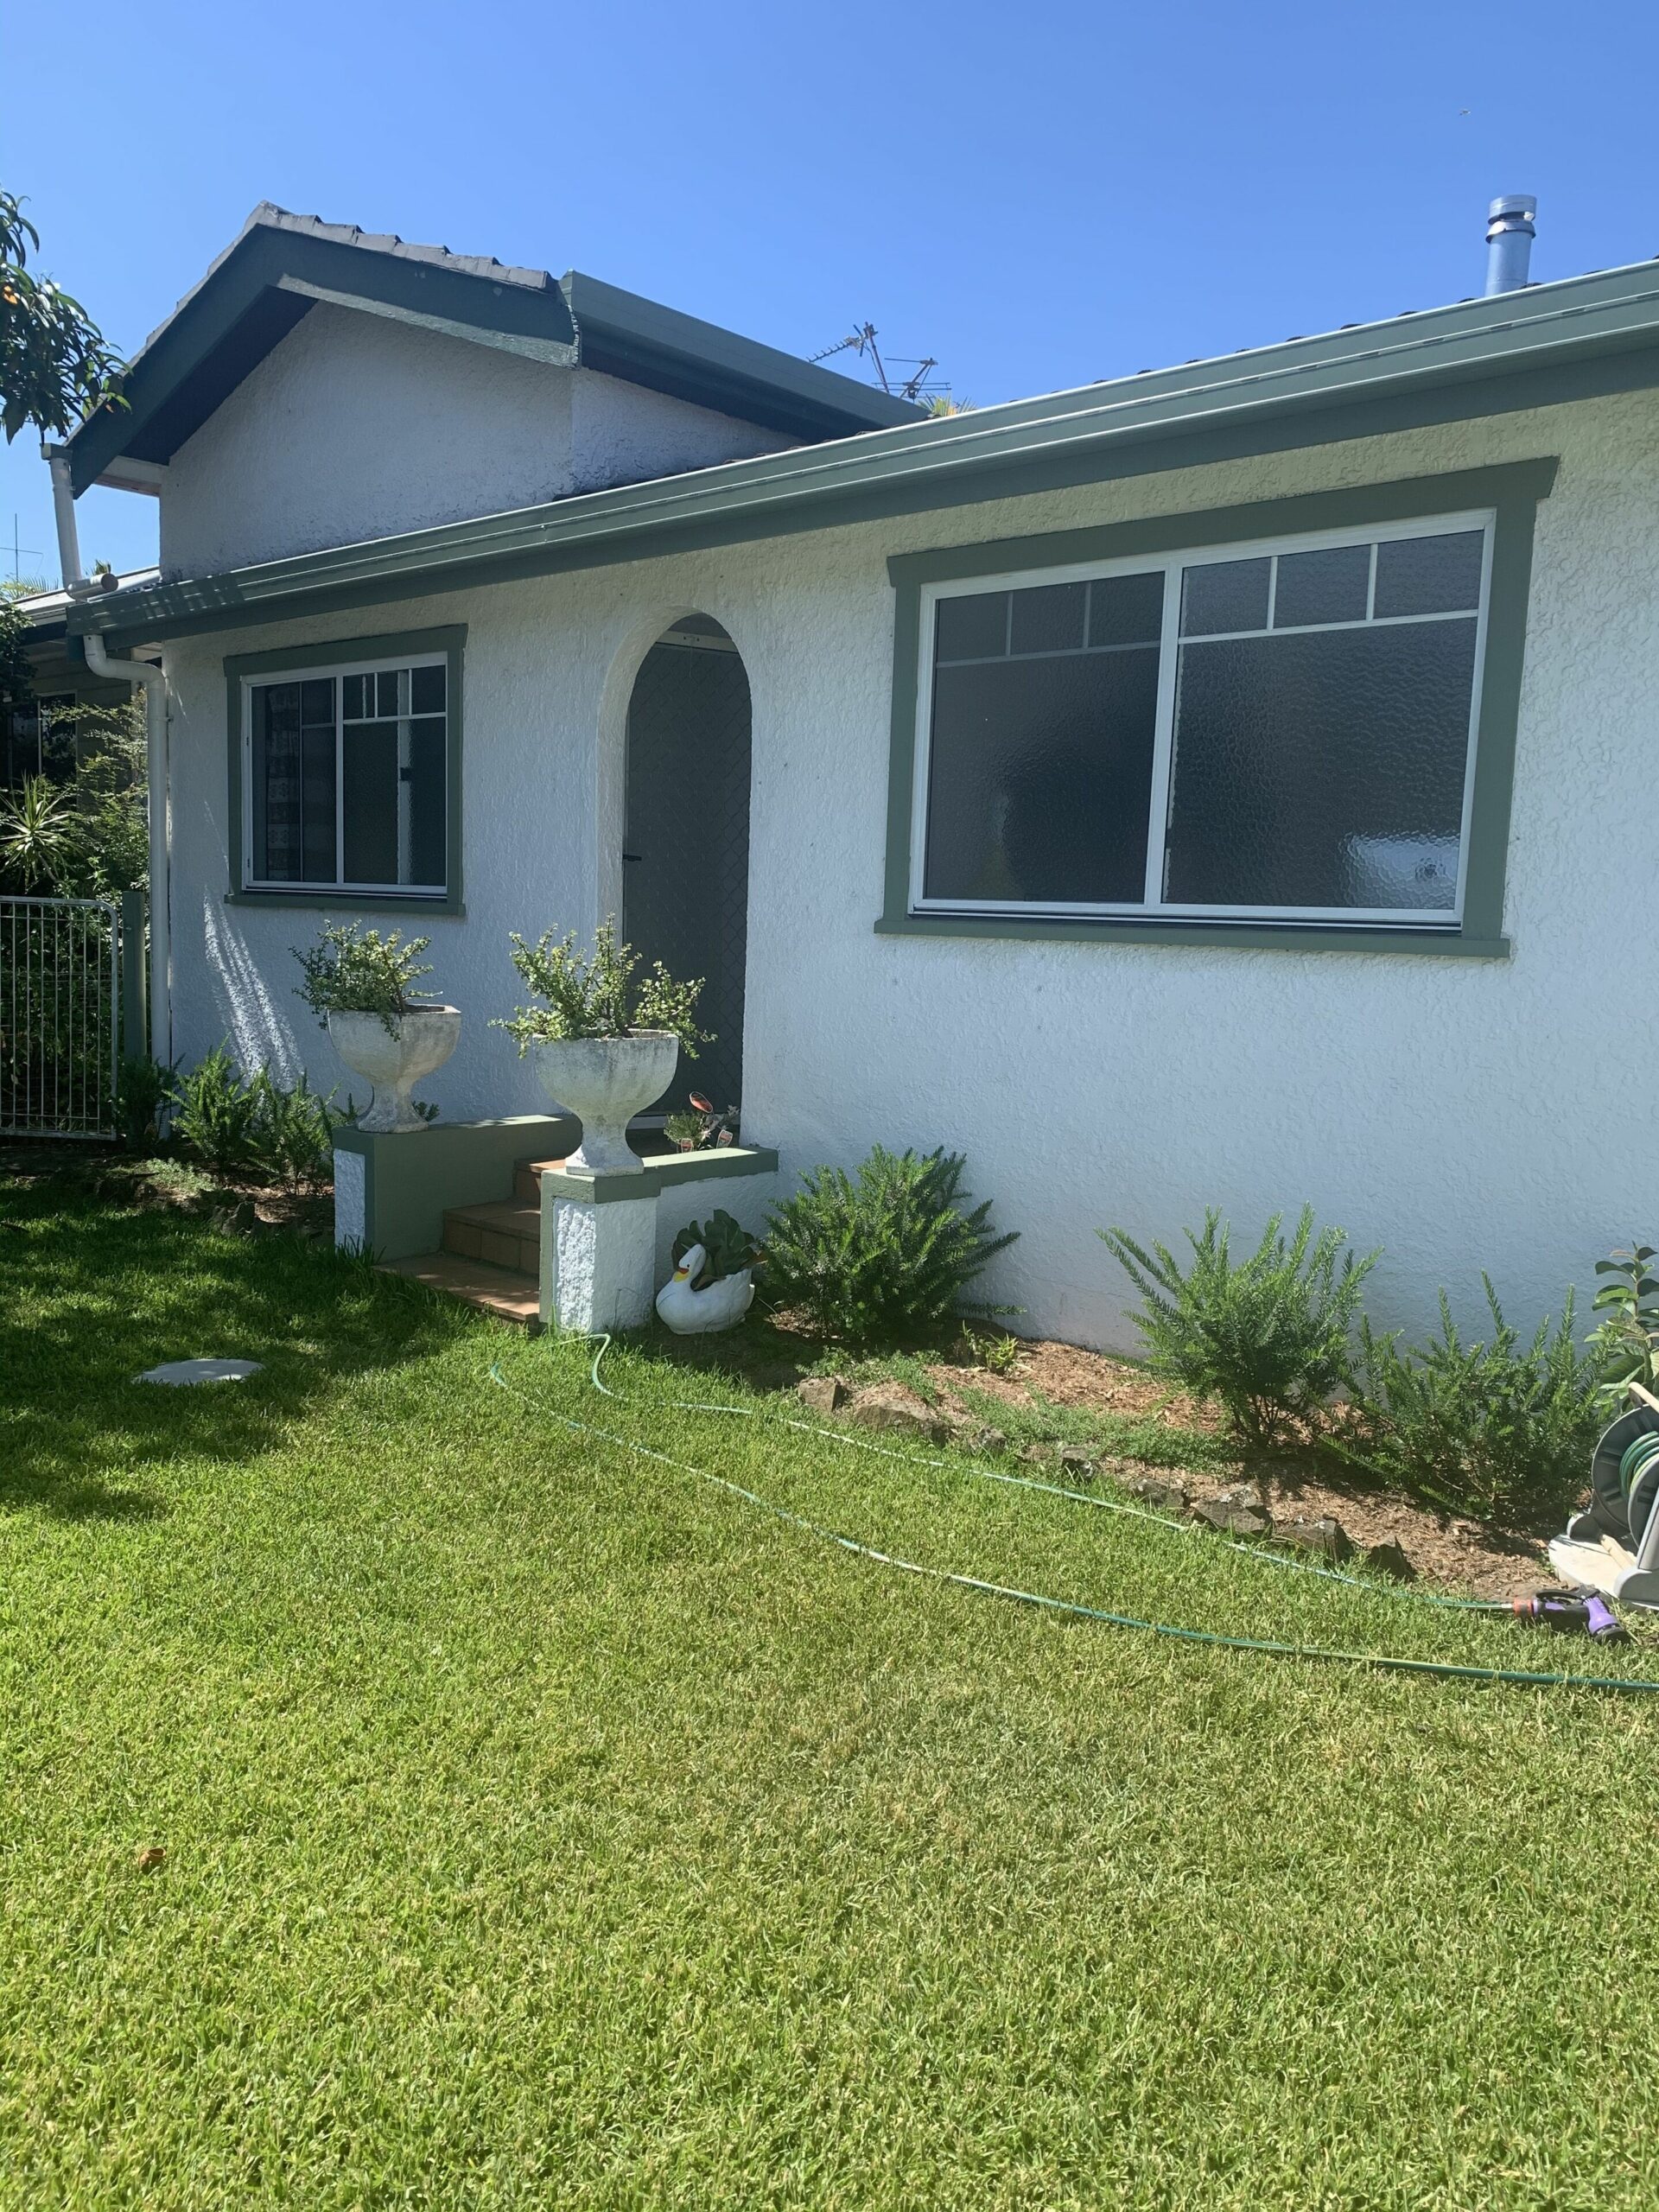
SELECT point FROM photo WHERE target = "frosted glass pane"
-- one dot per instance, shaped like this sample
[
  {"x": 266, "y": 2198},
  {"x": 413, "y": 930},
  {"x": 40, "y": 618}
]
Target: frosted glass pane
[
  {"x": 1329, "y": 586},
  {"x": 370, "y": 803},
  {"x": 1324, "y": 770},
  {"x": 1049, "y": 619},
  {"x": 972, "y": 626},
  {"x": 1429, "y": 575},
  {"x": 275, "y": 779},
  {"x": 1224, "y": 595},
  {"x": 1041, "y": 779},
  {"x": 1126, "y": 610}
]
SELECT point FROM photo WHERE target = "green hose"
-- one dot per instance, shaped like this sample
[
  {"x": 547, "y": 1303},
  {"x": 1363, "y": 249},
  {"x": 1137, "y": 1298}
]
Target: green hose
[{"x": 1383, "y": 1662}]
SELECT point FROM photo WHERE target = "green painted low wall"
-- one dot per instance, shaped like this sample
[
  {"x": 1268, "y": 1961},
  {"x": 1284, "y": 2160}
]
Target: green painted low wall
[{"x": 390, "y": 1190}]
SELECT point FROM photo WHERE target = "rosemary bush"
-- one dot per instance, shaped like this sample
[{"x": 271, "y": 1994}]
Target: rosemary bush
[
  {"x": 251, "y": 1129},
  {"x": 884, "y": 1254},
  {"x": 1487, "y": 1429},
  {"x": 596, "y": 995},
  {"x": 1265, "y": 1337}
]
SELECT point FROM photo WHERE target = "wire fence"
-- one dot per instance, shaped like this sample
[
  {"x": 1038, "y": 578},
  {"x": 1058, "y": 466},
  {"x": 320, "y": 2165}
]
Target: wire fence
[{"x": 60, "y": 1016}]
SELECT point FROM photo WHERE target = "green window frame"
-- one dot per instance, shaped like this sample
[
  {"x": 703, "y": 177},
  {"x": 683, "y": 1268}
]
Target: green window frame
[
  {"x": 1505, "y": 498},
  {"x": 340, "y": 658}
]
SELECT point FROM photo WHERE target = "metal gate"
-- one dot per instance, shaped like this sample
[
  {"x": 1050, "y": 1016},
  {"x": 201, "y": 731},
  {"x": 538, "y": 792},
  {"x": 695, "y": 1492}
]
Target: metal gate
[{"x": 60, "y": 1016}]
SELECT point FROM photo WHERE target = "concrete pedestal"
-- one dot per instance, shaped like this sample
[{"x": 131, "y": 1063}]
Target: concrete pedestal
[{"x": 598, "y": 1261}]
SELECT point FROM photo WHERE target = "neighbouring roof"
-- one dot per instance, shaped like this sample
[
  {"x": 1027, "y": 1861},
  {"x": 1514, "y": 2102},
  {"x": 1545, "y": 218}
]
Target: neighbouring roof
[
  {"x": 1577, "y": 338},
  {"x": 280, "y": 265}
]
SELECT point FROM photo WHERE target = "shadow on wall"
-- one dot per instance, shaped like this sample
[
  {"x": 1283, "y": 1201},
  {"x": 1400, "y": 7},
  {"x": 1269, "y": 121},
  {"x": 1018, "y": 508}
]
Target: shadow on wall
[
  {"x": 260, "y": 1036},
  {"x": 92, "y": 1294}
]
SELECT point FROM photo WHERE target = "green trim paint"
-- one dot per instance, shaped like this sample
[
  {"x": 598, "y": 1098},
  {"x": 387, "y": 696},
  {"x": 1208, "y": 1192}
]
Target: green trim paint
[
  {"x": 451, "y": 640},
  {"x": 1512, "y": 491}
]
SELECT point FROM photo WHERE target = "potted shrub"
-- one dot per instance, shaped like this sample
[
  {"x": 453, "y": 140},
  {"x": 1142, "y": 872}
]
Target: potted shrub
[
  {"x": 712, "y": 1285},
  {"x": 605, "y": 1047},
  {"x": 360, "y": 986}
]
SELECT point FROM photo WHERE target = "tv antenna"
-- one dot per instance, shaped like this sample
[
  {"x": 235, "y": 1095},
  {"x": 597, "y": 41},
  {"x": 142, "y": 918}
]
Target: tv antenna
[{"x": 861, "y": 340}]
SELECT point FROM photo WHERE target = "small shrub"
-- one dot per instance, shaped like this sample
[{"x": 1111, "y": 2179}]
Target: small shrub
[
  {"x": 1266, "y": 1338},
  {"x": 727, "y": 1247},
  {"x": 598, "y": 996},
  {"x": 1625, "y": 1342},
  {"x": 143, "y": 1087},
  {"x": 254, "y": 1129},
  {"x": 353, "y": 970},
  {"x": 296, "y": 1133},
  {"x": 884, "y": 1254},
  {"x": 998, "y": 1354},
  {"x": 1483, "y": 1429},
  {"x": 217, "y": 1116}
]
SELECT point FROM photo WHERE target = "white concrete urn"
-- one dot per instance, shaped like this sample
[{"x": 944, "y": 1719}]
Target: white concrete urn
[
  {"x": 605, "y": 1082},
  {"x": 393, "y": 1052}
]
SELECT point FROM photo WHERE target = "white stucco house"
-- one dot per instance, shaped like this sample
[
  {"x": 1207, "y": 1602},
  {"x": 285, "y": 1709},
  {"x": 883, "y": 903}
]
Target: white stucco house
[{"x": 1231, "y": 785}]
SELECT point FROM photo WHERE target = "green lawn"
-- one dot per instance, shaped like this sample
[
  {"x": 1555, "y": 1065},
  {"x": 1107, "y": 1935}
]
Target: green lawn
[{"x": 544, "y": 1827}]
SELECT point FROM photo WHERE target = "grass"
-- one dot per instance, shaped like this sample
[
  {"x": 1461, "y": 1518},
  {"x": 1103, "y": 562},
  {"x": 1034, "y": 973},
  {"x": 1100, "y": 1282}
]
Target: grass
[{"x": 546, "y": 1827}]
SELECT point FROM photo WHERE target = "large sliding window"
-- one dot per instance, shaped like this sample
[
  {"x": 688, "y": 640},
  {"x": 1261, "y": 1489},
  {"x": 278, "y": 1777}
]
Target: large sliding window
[
  {"x": 345, "y": 775},
  {"x": 1282, "y": 731}
]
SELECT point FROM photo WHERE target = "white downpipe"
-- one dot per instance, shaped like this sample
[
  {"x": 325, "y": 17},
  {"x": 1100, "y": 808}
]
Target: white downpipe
[
  {"x": 63, "y": 508},
  {"x": 155, "y": 683}
]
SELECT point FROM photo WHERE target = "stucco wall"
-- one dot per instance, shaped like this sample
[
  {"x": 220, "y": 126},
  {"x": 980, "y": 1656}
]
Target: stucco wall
[
  {"x": 356, "y": 426},
  {"x": 1460, "y": 1114}
]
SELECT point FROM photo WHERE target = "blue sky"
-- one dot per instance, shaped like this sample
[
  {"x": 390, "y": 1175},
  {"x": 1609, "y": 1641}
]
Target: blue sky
[{"x": 1038, "y": 195}]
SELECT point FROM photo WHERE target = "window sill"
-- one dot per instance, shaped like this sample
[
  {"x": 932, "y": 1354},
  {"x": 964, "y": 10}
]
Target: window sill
[
  {"x": 307, "y": 895},
  {"x": 1277, "y": 937}
]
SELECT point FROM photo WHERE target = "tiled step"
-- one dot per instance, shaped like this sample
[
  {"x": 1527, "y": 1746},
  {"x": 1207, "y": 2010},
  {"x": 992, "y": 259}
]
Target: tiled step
[
  {"x": 504, "y": 1290},
  {"x": 505, "y": 1233}
]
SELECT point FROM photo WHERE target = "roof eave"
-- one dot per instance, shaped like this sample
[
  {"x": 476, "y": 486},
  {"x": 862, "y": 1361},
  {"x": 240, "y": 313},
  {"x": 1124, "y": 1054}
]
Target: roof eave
[{"x": 1451, "y": 367}]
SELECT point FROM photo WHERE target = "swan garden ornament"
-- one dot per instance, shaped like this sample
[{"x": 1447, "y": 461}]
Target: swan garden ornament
[{"x": 692, "y": 1313}]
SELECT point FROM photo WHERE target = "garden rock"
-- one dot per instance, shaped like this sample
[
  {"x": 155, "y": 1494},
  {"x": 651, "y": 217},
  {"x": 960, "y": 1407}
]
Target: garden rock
[
  {"x": 1244, "y": 1496},
  {"x": 1160, "y": 1491},
  {"x": 963, "y": 1433},
  {"x": 239, "y": 1220},
  {"x": 1390, "y": 1559},
  {"x": 1232, "y": 1520},
  {"x": 1077, "y": 1463},
  {"x": 891, "y": 1410},
  {"x": 822, "y": 1394},
  {"x": 1324, "y": 1535}
]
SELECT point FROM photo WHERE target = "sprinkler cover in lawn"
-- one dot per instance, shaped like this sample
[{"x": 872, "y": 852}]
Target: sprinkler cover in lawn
[{"x": 181, "y": 1372}]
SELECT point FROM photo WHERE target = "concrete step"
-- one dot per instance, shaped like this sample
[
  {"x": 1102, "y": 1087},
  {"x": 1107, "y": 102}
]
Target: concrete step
[
  {"x": 527, "y": 1179},
  {"x": 503, "y": 1233},
  {"x": 504, "y": 1290}
]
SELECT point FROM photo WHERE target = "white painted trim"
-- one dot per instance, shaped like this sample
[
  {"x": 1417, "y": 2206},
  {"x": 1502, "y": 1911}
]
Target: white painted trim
[{"x": 1154, "y": 904}]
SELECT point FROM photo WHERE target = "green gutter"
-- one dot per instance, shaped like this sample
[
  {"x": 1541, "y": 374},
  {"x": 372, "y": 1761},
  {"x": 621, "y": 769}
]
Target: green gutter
[{"x": 1580, "y": 340}]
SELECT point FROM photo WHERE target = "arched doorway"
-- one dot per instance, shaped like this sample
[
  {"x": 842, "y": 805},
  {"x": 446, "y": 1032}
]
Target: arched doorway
[{"x": 685, "y": 848}]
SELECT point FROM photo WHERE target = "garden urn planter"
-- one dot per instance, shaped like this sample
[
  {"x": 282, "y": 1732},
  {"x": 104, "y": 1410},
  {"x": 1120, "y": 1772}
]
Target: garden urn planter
[
  {"x": 604, "y": 1082},
  {"x": 393, "y": 1052}
]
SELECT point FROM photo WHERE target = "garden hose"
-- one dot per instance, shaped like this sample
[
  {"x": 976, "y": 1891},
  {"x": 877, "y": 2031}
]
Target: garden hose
[
  {"x": 1638, "y": 1481},
  {"x": 1382, "y": 1662}
]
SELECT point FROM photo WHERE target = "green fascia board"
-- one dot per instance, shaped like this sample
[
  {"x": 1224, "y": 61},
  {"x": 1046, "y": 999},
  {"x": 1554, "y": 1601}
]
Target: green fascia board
[
  {"x": 621, "y": 334},
  {"x": 662, "y": 1172},
  {"x": 254, "y": 295},
  {"x": 449, "y": 638},
  {"x": 273, "y": 275},
  {"x": 1512, "y": 490},
  {"x": 1141, "y": 426}
]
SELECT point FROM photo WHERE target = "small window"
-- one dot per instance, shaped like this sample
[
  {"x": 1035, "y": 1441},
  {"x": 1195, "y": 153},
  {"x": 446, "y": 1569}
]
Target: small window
[
  {"x": 347, "y": 776},
  {"x": 1282, "y": 731}
]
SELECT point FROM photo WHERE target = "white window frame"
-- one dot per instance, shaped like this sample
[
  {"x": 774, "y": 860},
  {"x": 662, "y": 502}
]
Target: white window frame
[
  {"x": 341, "y": 672},
  {"x": 1154, "y": 906}
]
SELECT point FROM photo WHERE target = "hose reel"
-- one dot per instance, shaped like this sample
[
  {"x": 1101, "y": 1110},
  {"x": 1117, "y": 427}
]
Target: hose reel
[{"x": 1613, "y": 1545}]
